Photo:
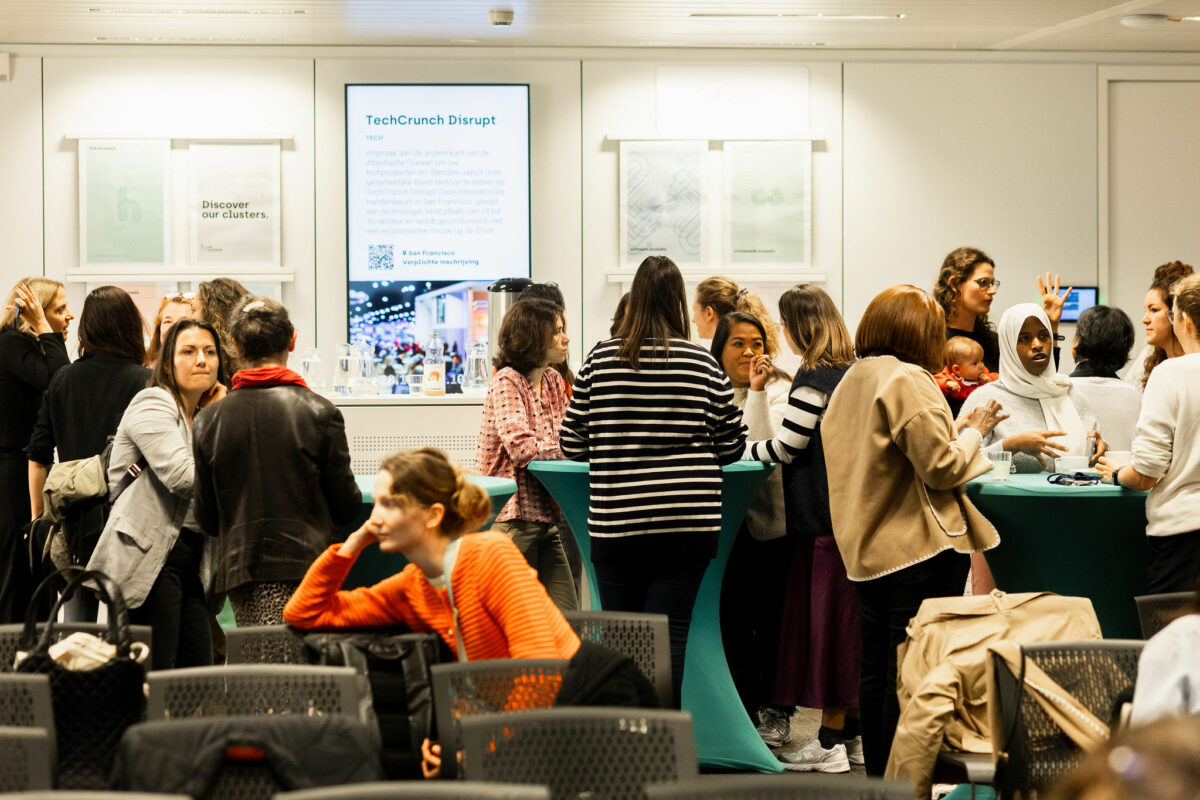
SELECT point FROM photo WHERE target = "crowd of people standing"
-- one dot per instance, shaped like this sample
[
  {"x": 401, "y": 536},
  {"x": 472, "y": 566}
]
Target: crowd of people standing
[{"x": 228, "y": 477}]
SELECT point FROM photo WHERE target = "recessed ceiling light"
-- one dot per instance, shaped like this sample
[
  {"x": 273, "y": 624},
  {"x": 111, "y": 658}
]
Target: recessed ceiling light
[
  {"x": 806, "y": 17},
  {"x": 229, "y": 10},
  {"x": 1152, "y": 20}
]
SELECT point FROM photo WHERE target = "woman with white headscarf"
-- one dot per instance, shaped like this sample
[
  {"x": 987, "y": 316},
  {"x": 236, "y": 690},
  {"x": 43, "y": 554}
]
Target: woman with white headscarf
[{"x": 1047, "y": 418}]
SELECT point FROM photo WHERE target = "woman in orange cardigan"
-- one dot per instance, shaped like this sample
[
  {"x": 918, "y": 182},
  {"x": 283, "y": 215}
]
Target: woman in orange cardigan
[{"x": 423, "y": 505}]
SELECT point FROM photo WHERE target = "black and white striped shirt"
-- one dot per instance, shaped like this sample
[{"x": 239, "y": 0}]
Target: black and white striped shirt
[
  {"x": 806, "y": 405},
  {"x": 656, "y": 439}
]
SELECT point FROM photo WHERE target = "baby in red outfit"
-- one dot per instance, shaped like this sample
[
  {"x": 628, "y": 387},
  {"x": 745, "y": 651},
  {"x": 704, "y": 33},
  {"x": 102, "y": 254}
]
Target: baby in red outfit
[{"x": 965, "y": 371}]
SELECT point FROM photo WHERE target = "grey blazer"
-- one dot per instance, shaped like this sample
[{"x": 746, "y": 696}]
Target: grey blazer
[{"x": 146, "y": 519}]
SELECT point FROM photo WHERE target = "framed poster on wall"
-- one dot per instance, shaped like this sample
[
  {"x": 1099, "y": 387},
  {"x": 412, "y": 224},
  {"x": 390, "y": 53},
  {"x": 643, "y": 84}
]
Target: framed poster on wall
[
  {"x": 663, "y": 198},
  {"x": 124, "y": 215},
  {"x": 768, "y": 203},
  {"x": 233, "y": 206}
]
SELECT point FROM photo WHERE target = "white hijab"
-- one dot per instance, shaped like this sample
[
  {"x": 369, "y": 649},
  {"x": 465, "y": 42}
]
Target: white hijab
[{"x": 1049, "y": 388}]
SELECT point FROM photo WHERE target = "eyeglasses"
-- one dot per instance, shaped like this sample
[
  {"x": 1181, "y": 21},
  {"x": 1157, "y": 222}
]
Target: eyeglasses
[
  {"x": 1073, "y": 479},
  {"x": 987, "y": 283}
]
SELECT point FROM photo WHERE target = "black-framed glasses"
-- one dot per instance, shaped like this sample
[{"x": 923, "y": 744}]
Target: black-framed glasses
[
  {"x": 1073, "y": 479},
  {"x": 987, "y": 283}
]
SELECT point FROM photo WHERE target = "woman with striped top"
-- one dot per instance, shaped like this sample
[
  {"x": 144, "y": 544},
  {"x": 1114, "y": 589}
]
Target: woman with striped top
[
  {"x": 652, "y": 413},
  {"x": 819, "y": 649}
]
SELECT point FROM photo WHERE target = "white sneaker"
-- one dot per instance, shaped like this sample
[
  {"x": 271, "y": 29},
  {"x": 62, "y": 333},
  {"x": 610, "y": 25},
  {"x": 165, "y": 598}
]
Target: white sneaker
[
  {"x": 814, "y": 758},
  {"x": 854, "y": 751},
  {"x": 774, "y": 728}
]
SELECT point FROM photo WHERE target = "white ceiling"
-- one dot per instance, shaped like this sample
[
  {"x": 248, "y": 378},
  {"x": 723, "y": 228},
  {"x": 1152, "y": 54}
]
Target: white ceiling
[{"x": 1054, "y": 25}]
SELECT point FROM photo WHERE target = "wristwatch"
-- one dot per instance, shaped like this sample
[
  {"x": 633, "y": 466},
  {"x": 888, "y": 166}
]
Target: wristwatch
[{"x": 1114, "y": 477}]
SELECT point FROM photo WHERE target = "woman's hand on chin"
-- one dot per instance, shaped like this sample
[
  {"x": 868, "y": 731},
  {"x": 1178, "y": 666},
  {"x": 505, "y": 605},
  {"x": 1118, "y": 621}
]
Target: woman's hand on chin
[
  {"x": 367, "y": 533},
  {"x": 760, "y": 371}
]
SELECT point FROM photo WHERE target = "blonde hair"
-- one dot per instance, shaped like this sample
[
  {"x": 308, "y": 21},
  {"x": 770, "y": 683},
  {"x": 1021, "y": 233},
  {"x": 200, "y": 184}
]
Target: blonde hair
[
  {"x": 959, "y": 350},
  {"x": 155, "y": 346},
  {"x": 44, "y": 289},
  {"x": 425, "y": 476},
  {"x": 816, "y": 327},
  {"x": 723, "y": 295}
]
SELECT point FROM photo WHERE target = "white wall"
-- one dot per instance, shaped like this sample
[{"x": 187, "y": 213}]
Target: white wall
[
  {"x": 922, "y": 153},
  {"x": 21, "y": 172},
  {"x": 996, "y": 156}
]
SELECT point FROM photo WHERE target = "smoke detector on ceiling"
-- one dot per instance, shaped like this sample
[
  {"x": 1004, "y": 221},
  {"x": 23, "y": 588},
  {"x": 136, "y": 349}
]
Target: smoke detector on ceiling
[{"x": 500, "y": 17}]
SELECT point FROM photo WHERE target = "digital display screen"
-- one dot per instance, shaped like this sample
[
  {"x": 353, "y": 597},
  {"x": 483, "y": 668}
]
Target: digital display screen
[
  {"x": 1078, "y": 301},
  {"x": 437, "y": 208}
]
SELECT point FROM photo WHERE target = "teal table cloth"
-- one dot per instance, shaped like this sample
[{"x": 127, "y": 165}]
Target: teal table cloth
[
  {"x": 1083, "y": 541},
  {"x": 372, "y": 565},
  {"x": 725, "y": 735}
]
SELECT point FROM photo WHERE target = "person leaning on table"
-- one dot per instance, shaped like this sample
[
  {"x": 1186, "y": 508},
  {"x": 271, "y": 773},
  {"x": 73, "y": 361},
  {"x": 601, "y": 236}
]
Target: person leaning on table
[
  {"x": 1166, "y": 454},
  {"x": 896, "y": 465}
]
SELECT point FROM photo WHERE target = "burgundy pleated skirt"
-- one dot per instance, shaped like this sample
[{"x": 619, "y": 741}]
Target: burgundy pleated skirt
[{"x": 820, "y": 636}]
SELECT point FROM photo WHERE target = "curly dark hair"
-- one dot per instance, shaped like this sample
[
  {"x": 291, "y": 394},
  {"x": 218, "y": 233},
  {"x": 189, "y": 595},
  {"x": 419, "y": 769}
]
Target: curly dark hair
[
  {"x": 1104, "y": 336},
  {"x": 525, "y": 334},
  {"x": 957, "y": 267}
]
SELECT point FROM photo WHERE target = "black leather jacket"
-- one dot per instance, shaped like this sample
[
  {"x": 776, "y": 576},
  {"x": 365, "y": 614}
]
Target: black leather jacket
[{"x": 272, "y": 479}]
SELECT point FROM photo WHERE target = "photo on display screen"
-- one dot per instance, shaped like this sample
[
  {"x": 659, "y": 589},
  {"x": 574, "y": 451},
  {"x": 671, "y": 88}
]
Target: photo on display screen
[
  {"x": 437, "y": 203},
  {"x": 1078, "y": 301}
]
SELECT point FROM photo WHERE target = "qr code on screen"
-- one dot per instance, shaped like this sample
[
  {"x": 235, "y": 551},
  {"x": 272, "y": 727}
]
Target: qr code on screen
[{"x": 379, "y": 257}]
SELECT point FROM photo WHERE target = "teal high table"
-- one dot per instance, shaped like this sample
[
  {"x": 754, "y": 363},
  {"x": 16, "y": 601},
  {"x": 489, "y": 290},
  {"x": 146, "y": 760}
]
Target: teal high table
[
  {"x": 372, "y": 565},
  {"x": 725, "y": 735},
  {"x": 1082, "y": 541}
]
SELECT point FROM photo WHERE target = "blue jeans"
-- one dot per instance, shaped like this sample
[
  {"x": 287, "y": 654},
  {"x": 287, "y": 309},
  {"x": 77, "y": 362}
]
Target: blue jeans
[{"x": 655, "y": 589}]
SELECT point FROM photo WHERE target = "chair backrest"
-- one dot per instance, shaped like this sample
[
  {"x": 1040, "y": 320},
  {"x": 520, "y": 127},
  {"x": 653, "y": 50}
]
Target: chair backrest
[
  {"x": 783, "y": 787},
  {"x": 265, "y": 644},
  {"x": 1094, "y": 672},
  {"x": 26, "y": 759},
  {"x": 252, "y": 689},
  {"x": 1156, "y": 611},
  {"x": 84, "y": 794},
  {"x": 25, "y": 702},
  {"x": 613, "y": 753},
  {"x": 485, "y": 687},
  {"x": 10, "y": 636},
  {"x": 645, "y": 638},
  {"x": 434, "y": 790}
]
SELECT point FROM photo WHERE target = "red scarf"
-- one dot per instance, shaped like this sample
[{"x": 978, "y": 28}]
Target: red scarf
[{"x": 266, "y": 376}]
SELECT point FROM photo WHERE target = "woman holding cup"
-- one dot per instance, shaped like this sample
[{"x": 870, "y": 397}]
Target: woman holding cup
[
  {"x": 1048, "y": 419},
  {"x": 1166, "y": 453}
]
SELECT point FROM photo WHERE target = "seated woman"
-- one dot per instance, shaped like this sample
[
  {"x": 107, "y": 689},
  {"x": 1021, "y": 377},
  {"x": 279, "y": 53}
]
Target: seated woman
[
  {"x": 476, "y": 592},
  {"x": 1103, "y": 339},
  {"x": 1047, "y": 419}
]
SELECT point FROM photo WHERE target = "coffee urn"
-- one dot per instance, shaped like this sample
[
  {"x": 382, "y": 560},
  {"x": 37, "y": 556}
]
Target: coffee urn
[{"x": 501, "y": 296}]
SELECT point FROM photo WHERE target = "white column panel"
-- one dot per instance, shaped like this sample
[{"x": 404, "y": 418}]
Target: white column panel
[{"x": 21, "y": 170}]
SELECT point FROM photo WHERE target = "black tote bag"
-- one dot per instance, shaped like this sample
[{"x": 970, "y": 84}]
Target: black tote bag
[{"x": 93, "y": 708}]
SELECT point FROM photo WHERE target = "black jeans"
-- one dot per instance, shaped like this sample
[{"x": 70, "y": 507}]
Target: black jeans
[
  {"x": 175, "y": 608},
  {"x": 886, "y": 605},
  {"x": 1174, "y": 563},
  {"x": 16, "y": 580},
  {"x": 655, "y": 589}
]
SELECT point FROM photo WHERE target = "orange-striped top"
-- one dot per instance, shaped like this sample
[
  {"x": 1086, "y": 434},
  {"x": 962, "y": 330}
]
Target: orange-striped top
[{"x": 503, "y": 610}]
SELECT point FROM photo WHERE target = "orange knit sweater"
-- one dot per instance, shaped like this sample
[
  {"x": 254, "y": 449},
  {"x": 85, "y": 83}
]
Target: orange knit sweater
[{"x": 503, "y": 610}]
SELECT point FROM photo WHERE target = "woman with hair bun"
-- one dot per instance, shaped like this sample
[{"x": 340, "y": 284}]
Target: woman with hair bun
[
  {"x": 476, "y": 592},
  {"x": 717, "y": 296},
  {"x": 423, "y": 506}
]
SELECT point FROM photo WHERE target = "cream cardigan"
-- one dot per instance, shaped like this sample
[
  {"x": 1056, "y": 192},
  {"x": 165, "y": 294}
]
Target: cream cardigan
[{"x": 896, "y": 471}]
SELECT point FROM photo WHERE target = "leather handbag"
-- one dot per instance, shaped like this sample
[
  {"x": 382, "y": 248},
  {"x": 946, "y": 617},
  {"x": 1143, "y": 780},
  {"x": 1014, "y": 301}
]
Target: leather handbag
[{"x": 92, "y": 708}]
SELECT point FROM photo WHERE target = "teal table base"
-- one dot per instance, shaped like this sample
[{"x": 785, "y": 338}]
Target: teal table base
[
  {"x": 725, "y": 735},
  {"x": 1077, "y": 541}
]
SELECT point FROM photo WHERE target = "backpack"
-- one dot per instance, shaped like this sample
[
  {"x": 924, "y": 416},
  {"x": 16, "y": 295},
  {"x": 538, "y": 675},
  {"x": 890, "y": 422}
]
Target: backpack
[{"x": 76, "y": 501}]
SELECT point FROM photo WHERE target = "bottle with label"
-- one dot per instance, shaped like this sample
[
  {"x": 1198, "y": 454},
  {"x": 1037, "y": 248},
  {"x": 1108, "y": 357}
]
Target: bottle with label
[{"x": 435, "y": 367}]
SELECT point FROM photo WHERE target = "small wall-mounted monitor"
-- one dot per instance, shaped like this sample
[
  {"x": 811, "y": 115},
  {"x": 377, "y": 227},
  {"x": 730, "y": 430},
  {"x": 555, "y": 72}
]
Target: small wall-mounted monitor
[{"x": 1078, "y": 301}]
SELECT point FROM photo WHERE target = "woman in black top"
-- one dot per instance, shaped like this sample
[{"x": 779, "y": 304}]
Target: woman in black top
[
  {"x": 966, "y": 286},
  {"x": 85, "y": 402},
  {"x": 32, "y": 348}
]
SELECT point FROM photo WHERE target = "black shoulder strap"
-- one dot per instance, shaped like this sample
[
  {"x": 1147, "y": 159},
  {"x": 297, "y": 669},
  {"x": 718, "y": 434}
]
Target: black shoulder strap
[{"x": 128, "y": 478}]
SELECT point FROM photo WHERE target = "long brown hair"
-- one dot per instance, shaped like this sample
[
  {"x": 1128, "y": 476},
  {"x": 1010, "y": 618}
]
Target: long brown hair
[
  {"x": 1165, "y": 278},
  {"x": 525, "y": 335},
  {"x": 657, "y": 310},
  {"x": 426, "y": 476},
  {"x": 218, "y": 299},
  {"x": 163, "y": 374},
  {"x": 905, "y": 322},
  {"x": 957, "y": 267},
  {"x": 816, "y": 326},
  {"x": 723, "y": 295},
  {"x": 111, "y": 323}
]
